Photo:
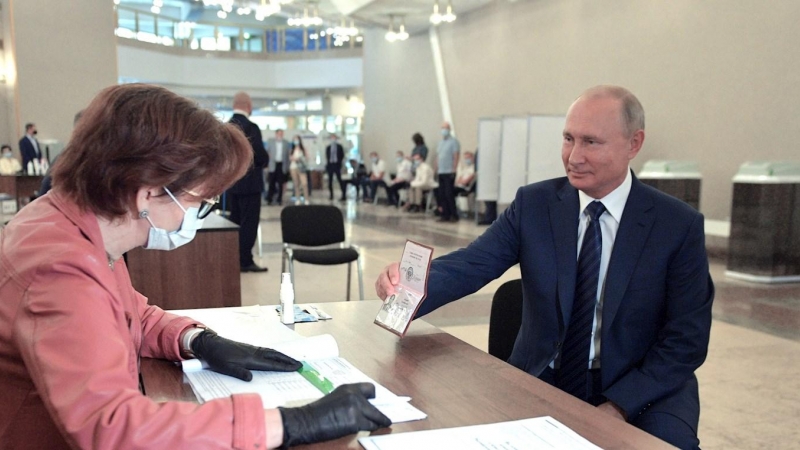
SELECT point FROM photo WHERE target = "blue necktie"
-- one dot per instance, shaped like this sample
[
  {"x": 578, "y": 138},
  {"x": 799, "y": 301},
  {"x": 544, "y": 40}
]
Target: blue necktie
[{"x": 573, "y": 372}]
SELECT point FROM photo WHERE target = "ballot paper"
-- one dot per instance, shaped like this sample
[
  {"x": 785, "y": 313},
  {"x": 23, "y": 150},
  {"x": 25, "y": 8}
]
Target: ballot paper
[
  {"x": 398, "y": 309},
  {"x": 537, "y": 433},
  {"x": 323, "y": 369}
]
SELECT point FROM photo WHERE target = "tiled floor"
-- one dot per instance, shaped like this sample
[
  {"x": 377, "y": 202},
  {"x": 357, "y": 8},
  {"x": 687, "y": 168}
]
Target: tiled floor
[{"x": 750, "y": 383}]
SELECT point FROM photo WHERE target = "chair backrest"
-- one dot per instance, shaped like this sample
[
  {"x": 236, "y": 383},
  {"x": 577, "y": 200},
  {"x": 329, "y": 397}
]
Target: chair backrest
[
  {"x": 505, "y": 319},
  {"x": 312, "y": 225}
]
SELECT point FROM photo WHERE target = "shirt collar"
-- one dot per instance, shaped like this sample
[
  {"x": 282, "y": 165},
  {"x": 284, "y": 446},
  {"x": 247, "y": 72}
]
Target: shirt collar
[
  {"x": 239, "y": 111},
  {"x": 614, "y": 201}
]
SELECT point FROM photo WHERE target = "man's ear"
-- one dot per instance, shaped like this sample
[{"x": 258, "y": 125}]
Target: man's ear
[{"x": 637, "y": 140}]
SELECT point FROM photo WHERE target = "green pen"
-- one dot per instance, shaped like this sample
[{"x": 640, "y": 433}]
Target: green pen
[{"x": 320, "y": 382}]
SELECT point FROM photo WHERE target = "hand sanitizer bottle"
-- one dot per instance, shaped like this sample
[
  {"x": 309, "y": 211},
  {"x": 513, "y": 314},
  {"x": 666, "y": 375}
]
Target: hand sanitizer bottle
[{"x": 287, "y": 299}]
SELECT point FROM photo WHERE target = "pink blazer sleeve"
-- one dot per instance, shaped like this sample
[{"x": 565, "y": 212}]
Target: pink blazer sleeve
[{"x": 80, "y": 348}]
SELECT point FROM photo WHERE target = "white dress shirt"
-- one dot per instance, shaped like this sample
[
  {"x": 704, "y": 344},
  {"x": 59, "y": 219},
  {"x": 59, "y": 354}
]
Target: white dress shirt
[
  {"x": 278, "y": 151},
  {"x": 614, "y": 203}
]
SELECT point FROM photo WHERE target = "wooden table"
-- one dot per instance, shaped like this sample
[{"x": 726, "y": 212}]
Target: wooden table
[
  {"x": 21, "y": 187},
  {"x": 452, "y": 381},
  {"x": 201, "y": 274}
]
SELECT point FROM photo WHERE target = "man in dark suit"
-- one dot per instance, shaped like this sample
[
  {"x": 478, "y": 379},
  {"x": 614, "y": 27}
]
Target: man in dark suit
[
  {"x": 334, "y": 155},
  {"x": 626, "y": 329},
  {"x": 29, "y": 146},
  {"x": 245, "y": 195},
  {"x": 279, "y": 152}
]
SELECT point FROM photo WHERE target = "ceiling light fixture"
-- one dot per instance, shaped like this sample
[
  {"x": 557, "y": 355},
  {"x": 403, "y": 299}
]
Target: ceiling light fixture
[
  {"x": 402, "y": 35},
  {"x": 391, "y": 36},
  {"x": 449, "y": 16},
  {"x": 155, "y": 9},
  {"x": 436, "y": 18},
  {"x": 266, "y": 9}
]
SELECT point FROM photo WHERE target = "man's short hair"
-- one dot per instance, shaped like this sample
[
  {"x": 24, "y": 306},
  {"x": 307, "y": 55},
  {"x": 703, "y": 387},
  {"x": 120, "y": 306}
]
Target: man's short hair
[
  {"x": 29, "y": 125},
  {"x": 632, "y": 110}
]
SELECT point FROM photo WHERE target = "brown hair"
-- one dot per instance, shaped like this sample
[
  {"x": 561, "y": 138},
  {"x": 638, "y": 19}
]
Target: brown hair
[{"x": 137, "y": 135}]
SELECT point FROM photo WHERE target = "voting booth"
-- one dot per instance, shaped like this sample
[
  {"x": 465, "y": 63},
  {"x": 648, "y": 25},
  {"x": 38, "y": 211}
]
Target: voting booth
[
  {"x": 517, "y": 150},
  {"x": 680, "y": 179},
  {"x": 764, "y": 243}
]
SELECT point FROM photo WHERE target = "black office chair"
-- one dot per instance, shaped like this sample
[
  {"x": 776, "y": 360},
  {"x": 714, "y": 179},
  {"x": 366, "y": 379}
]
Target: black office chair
[
  {"x": 505, "y": 319},
  {"x": 318, "y": 226}
]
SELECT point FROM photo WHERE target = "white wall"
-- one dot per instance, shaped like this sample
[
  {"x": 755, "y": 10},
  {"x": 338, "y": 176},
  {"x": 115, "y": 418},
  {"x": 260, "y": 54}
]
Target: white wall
[
  {"x": 400, "y": 95},
  {"x": 64, "y": 53},
  {"x": 719, "y": 80},
  {"x": 198, "y": 72}
]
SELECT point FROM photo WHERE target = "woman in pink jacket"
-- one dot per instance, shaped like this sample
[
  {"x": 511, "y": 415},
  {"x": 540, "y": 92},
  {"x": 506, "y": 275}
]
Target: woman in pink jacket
[{"x": 141, "y": 169}]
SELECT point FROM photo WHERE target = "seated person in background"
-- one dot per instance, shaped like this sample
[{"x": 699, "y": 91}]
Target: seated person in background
[
  {"x": 465, "y": 175},
  {"x": 359, "y": 178},
  {"x": 616, "y": 289},
  {"x": 401, "y": 180},
  {"x": 423, "y": 181},
  {"x": 8, "y": 164},
  {"x": 137, "y": 172},
  {"x": 376, "y": 177}
]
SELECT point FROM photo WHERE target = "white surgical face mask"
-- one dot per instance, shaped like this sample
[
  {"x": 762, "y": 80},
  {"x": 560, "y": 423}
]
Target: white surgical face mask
[
  {"x": 161, "y": 239},
  {"x": 445, "y": 132},
  {"x": 8, "y": 155}
]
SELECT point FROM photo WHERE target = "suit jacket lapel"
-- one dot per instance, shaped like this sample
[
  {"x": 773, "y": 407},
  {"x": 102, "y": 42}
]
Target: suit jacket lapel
[
  {"x": 564, "y": 225},
  {"x": 637, "y": 221}
]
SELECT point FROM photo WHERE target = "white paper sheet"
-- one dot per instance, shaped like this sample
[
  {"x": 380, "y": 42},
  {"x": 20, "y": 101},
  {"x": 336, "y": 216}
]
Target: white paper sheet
[
  {"x": 538, "y": 433},
  {"x": 291, "y": 389}
]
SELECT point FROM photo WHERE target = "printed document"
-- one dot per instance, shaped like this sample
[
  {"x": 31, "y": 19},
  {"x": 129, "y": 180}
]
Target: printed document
[
  {"x": 323, "y": 370},
  {"x": 538, "y": 433}
]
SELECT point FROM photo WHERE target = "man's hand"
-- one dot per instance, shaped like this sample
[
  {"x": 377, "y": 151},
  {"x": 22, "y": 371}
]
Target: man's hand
[
  {"x": 612, "y": 410},
  {"x": 236, "y": 359},
  {"x": 344, "y": 411},
  {"x": 385, "y": 286}
]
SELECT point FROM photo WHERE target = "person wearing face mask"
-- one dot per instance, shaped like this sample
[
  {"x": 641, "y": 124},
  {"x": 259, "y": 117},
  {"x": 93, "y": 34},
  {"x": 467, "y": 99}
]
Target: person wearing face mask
[
  {"x": 423, "y": 181},
  {"x": 8, "y": 164},
  {"x": 143, "y": 168},
  {"x": 465, "y": 175},
  {"x": 447, "y": 154},
  {"x": 401, "y": 180},
  {"x": 29, "y": 146},
  {"x": 376, "y": 177}
]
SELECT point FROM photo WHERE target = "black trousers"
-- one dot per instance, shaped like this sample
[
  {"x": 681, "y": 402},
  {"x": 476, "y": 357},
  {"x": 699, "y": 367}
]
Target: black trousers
[
  {"x": 447, "y": 196},
  {"x": 335, "y": 170},
  {"x": 393, "y": 192},
  {"x": 245, "y": 211},
  {"x": 275, "y": 181},
  {"x": 373, "y": 188}
]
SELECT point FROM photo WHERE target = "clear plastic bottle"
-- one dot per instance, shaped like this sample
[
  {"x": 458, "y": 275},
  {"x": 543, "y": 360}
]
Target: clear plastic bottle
[{"x": 287, "y": 299}]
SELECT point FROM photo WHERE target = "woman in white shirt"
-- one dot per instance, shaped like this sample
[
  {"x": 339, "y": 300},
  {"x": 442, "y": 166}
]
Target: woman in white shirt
[{"x": 298, "y": 169}]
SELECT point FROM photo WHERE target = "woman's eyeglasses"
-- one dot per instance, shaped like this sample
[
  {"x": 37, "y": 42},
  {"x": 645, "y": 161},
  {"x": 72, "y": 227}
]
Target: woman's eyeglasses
[{"x": 206, "y": 205}]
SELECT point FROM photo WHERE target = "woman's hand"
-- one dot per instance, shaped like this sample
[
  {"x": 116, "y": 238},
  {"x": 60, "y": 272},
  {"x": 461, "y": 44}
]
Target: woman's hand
[
  {"x": 237, "y": 359},
  {"x": 344, "y": 411}
]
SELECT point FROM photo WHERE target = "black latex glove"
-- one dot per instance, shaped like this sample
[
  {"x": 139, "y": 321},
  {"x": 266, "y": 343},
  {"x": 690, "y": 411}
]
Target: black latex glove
[
  {"x": 234, "y": 358},
  {"x": 344, "y": 411}
]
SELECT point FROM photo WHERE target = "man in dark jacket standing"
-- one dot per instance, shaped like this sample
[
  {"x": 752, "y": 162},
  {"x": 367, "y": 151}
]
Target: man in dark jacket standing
[
  {"x": 334, "y": 155},
  {"x": 245, "y": 195}
]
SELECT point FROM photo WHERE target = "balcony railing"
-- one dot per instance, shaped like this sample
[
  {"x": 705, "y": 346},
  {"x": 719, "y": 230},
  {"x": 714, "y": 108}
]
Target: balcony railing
[{"x": 156, "y": 29}]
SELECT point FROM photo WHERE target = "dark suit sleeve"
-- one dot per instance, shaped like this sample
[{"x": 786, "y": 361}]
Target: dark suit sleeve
[
  {"x": 682, "y": 342},
  {"x": 26, "y": 150},
  {"x": 464, "y": 271},
  {"x": 260, "y": 156}
]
